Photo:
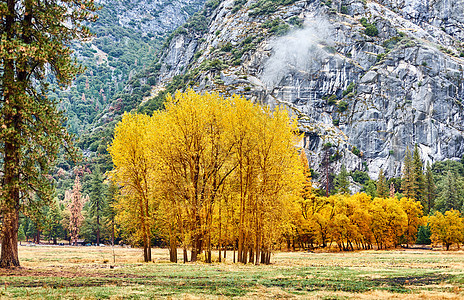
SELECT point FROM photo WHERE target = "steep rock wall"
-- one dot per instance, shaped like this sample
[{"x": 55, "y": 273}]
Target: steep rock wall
[{"x": 379, "y": 94}]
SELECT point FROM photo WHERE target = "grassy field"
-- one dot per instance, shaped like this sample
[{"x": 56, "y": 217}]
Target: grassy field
[{"x": 89, "y": 273}]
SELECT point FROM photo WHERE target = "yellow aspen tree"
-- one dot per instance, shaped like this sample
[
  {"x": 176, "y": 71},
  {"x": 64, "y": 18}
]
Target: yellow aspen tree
[
  {"x": 307, "y": 204},
  {"x": 245, "y": 120},
  {"x": 413, "y": 210},
  {"x": 279, "y": 174},
  {"x": 447, "y": 228},
  {"x": 195, "y": 154},
  {"x": 208, "y": 163},
  {"x": 361, "y": 218},
  {"x": 389, "y": 221},
  {"x": 340, "y": 223},
  {"x": 135, "y": 168},
  {"x": 322, "y": 220}
]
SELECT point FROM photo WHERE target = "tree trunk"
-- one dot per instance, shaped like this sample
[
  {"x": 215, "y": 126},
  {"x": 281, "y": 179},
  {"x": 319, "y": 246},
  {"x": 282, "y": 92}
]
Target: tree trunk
[
  {"x": 148, "y": 229},
  {"x": 185, "y": 255},
  {"x": 144, "y": 231},
  {"x": 234, "y": 253},
  {"x": 197, "y": 239},
  {"x": 98, "y": 230},
  {"x": 195, "y": 246},
  {"x": 251, "y": 255},
  {"x": 149, "y": 245},
  {"x": 172, "y": 248},
  {"x": 220, "y": 233},
  {"x": 9, "y": 255},
  {"x": 12, "y": 150},
  {"x": 112, "y": 233}
]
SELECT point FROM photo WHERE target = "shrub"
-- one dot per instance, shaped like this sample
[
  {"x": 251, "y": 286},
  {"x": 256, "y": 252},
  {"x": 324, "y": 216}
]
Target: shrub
[
  {"x": 227, "y": 47},
  {"x": 356, "y": 151},
  {"x": 332, "y": 100},
  {"x": 342, "y": 106},
  {"x": 349, "y": 89},
  {"x": 327, "y": 145},
  {"x": 359, "y": 176},
  {"x": 371, "y": 29},
  {"x": 295, "y": 21}
]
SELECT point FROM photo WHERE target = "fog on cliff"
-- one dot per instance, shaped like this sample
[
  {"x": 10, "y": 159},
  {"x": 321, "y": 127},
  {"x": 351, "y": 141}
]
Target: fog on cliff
[{"x": 301, "y": 50}]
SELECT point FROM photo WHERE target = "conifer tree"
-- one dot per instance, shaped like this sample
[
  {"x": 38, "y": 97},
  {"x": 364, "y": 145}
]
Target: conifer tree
[
  {"x": 408, "y": 182},
  {"x": 370, "y": 188},
  {"x": 21, "y": 234},
  {"x": 97, "y": 199},
  {"x": 450, "y": 196},
  {"x": 342, "y": 184},
  {"x": 53, "y": 222},
  {"x": 382, "y": 187},
  {"x": 35, "y": 43},
  {"x": 419, "y": 189},
  {"x": 430, "y": 190}
]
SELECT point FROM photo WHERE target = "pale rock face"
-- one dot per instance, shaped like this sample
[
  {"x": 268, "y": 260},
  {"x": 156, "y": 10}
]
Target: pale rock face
[{"x": 409, "y": 80}]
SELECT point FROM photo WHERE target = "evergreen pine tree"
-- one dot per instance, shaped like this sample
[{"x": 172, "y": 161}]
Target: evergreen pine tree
[
  {"x": 408, "y": 182},
  {"x": 35, "y": 39},
  {"x": 419, "y": 188},
  {"x": 342, "y": 183},
  {"x": 382, "y": 186},
  {"x": 326, "y": 178},
  {"x": 370, "y": 188},
  {"x": 430, "y": 190},
  {"x": 450, "y": 196},
  {"x": 31, "y": 231},
  {"x": 21, "y": 234},
  {"x": 97, "y": 199},
  {"x": 392, "y": 190},
  {"x": 423, "y": 235},
  {"x": 53, "y": 222}
]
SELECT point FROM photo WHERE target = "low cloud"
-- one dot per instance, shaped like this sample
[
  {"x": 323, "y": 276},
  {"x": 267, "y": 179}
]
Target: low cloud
[{"x": 301, "y": 50}]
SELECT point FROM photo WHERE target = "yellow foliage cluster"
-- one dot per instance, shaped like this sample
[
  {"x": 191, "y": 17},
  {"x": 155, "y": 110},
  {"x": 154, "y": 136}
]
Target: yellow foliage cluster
[
  {"x": 356, "y": 222},
  {"x": 447, "y": 228},
  {"x": 208, "y": 171}
]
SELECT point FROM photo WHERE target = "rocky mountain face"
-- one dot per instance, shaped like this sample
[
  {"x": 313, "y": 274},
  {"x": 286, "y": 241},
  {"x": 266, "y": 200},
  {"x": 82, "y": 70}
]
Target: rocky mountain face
[{"x": 366, "y": 79}]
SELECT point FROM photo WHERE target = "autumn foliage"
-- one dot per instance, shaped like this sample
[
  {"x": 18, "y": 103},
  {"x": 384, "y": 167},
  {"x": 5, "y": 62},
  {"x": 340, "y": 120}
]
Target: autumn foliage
[
  {"x": 213, "y": 173},
  {"x": 208, "y": 171}
]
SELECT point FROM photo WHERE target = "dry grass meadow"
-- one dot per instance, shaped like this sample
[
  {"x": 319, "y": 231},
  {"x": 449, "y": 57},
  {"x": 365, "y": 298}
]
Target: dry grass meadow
[{"x": 89, "y": 273}]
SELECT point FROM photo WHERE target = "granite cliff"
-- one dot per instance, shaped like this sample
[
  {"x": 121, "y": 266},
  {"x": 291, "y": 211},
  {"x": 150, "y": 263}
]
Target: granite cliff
[{"x": 369, "y": 77}]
